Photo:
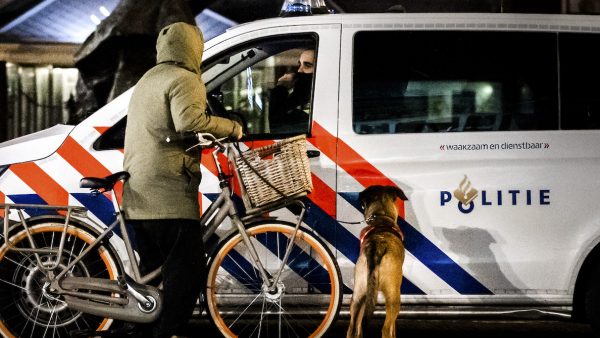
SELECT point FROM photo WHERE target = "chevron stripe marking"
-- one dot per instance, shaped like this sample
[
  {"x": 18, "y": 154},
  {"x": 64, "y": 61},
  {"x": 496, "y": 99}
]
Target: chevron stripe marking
[
  {"x": 2, "y": 199},
  {"x": 81, "y": 159},
  {"x": 101, "y": 130},
  {"x": 84, "y": 162},
  {"x": 323, "y": 196},
  {"x": 349, "y": 160},
  {"x": 33, "y": 199},
  {"x": 38, "y": 180}
]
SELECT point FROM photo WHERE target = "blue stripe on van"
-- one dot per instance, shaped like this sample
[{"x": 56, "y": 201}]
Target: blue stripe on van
[
  {"x": 432, "y": 257},
  {"x": 99, "y": 205},
  {"x": 102, "y": 207},
  {"x": 332, "y": 231},
  {"x": 238, "y": 267},
  {"x": 301, "y": 263},
  {"x": 32, "y": 199}
]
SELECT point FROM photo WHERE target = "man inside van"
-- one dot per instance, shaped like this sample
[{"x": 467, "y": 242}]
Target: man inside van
[
  {"x": 160, "y": 199},
  {"x": 291, "y": 96}
]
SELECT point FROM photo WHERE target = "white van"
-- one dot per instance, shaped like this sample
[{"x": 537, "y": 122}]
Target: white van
[{"x": 488, "y": 122}]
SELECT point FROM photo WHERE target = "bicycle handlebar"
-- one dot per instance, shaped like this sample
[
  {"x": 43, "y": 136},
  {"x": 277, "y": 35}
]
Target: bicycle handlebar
[
  {"x": 181, "y": 137},
  {"x": 205, "y": 140}
]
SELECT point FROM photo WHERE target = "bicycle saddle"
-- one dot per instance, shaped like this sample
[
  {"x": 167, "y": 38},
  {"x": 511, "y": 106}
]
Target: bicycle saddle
[{"x": 106, "y": 184}]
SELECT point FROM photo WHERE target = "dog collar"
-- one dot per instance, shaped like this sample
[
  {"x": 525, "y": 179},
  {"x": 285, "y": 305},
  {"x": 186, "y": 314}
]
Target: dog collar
[
  {"x": 393, "y": 229},
  {"x": 375, "y": 216}
]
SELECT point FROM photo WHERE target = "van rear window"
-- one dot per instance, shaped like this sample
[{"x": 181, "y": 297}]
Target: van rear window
[
  {"x": 579, "y": 81},
  {"x": 441, "y": 81}
]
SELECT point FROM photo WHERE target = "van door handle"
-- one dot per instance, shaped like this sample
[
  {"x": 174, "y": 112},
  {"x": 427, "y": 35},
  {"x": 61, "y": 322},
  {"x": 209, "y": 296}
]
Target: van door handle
[{"x": 313, "y": 153}]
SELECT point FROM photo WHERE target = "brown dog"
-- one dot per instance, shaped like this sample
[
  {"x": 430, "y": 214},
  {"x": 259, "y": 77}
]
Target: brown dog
[{"x": 379, "y": 265}]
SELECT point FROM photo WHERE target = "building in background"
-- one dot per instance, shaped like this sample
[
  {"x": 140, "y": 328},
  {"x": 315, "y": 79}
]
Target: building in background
[{"x": 38, "y": 77}]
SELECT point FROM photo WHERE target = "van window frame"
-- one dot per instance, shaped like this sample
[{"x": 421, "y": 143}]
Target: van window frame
[{"x": 308, "y": 37}]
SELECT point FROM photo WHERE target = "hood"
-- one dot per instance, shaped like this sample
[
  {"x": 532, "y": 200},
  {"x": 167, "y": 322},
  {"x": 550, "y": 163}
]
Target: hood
[
  {"x": 34, "y": 146},
  {"x": 182, "y": 44}
]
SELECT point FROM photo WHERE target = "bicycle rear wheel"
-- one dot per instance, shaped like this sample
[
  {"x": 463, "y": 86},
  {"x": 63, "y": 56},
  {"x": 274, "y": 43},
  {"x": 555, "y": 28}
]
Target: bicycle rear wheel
[
  {"x": 27, "y": 306},
  {"x": 308, "y": 296}
]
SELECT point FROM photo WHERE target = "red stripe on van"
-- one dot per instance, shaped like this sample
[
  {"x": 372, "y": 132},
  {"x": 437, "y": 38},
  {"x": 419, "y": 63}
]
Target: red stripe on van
[
  {"x": 40, "y": 182},
  {"x": 101, "y": 130},
  {"x": 207, "y": 161},
  {"x": 209, "y": 164},
  {"x": 1, "y": 202},
  {"x": 81, "y": 159},
  {"x": 86, "y": 164},
  {"x": 351, "y": 161},
  {"x": 323, "y": 196},
  {"x": 323, "y": 140}
]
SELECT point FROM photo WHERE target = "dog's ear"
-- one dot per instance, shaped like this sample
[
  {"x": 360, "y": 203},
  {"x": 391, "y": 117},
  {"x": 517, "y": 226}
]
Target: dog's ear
[
  {"x": 398, "y": 193},
  {"x": 361, "y": 198}
]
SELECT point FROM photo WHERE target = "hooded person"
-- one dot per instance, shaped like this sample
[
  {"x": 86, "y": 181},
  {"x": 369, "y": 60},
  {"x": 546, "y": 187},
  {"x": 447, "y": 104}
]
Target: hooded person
[{"x": 160, "y": 199}]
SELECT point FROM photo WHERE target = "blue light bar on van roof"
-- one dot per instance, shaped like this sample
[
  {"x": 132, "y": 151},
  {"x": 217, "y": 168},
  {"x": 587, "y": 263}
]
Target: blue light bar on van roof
[{"x": 303, "y": 7}]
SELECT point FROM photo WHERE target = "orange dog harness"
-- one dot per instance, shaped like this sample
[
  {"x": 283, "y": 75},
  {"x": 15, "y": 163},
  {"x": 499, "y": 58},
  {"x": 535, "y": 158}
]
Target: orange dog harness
[{"x": 372, "y": 228}]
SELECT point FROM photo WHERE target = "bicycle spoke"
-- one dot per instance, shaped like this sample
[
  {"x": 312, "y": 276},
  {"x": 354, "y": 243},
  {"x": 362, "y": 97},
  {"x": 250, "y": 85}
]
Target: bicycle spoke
[
  {"x": 51, "y": 241},
  {"x": 20, "y": 264},
  {"x": 262, "y": 313},
  {"x": 71, "y": 252},
  {"x": 14, "y": 285},
  {"x": 239, "y": 265},
  {"x": 286, "y": 314},
  {"x": 310, "y": 271},
  {"x": 37, "y": 312},
  {"x": 246, "y": 309}
]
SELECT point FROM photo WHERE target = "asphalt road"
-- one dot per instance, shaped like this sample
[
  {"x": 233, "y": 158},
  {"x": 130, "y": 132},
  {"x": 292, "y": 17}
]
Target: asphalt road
[{"x": 464, "y": 328}]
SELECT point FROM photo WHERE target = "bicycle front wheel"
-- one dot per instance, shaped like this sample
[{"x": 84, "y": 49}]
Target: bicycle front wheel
[{"x": 305, "y": 301}]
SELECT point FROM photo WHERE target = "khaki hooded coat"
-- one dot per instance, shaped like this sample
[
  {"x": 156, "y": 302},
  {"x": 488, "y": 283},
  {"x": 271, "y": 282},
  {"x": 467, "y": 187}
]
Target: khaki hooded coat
[{"x": 170, "y": 98}]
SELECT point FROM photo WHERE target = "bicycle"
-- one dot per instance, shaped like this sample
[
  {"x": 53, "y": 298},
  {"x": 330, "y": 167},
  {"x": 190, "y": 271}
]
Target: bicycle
[{"x": 64, "y": 273}]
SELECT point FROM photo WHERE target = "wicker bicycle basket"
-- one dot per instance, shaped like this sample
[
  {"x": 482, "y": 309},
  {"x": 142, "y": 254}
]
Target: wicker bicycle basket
[{"x": 284, "y": 165}]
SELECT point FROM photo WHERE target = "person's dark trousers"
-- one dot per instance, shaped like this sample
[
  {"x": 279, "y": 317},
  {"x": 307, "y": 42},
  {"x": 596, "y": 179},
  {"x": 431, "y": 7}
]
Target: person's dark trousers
[{"x": 177, "y": 244}]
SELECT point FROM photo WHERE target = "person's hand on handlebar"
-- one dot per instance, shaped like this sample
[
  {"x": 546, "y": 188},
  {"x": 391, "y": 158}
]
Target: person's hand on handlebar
[{"x": 237, "y": 131}]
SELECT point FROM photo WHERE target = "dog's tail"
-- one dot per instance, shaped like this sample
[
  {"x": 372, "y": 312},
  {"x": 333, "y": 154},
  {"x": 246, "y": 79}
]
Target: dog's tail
[{"x": 373, "y": 253}]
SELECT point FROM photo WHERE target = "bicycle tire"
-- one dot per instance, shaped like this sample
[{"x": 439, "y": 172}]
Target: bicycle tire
[
  {"x": 27, "y": 308},
  {"x": 306, "y": 302}
]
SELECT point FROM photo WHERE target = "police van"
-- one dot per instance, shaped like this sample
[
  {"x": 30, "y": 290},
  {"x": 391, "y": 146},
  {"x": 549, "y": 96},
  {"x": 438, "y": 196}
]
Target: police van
[{"x": 488, "y": 122}]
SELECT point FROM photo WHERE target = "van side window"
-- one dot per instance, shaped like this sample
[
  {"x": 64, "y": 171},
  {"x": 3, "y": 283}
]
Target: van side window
[
  {"x": 244, "y": 84},
  {"x": 113, "y": 138},
  {"x": 266, "y": 85},
  {"x": 454, "y": 81},
  {"x": 579, "y": 81}
]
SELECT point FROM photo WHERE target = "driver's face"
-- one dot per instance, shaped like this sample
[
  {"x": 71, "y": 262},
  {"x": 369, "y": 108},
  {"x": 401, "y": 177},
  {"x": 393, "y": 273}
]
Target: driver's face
[{"x": 306, "y": 62}]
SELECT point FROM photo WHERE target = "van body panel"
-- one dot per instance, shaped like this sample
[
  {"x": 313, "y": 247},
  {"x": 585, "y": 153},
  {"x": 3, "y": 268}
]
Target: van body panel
[{"x": 33, "y": 146}]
